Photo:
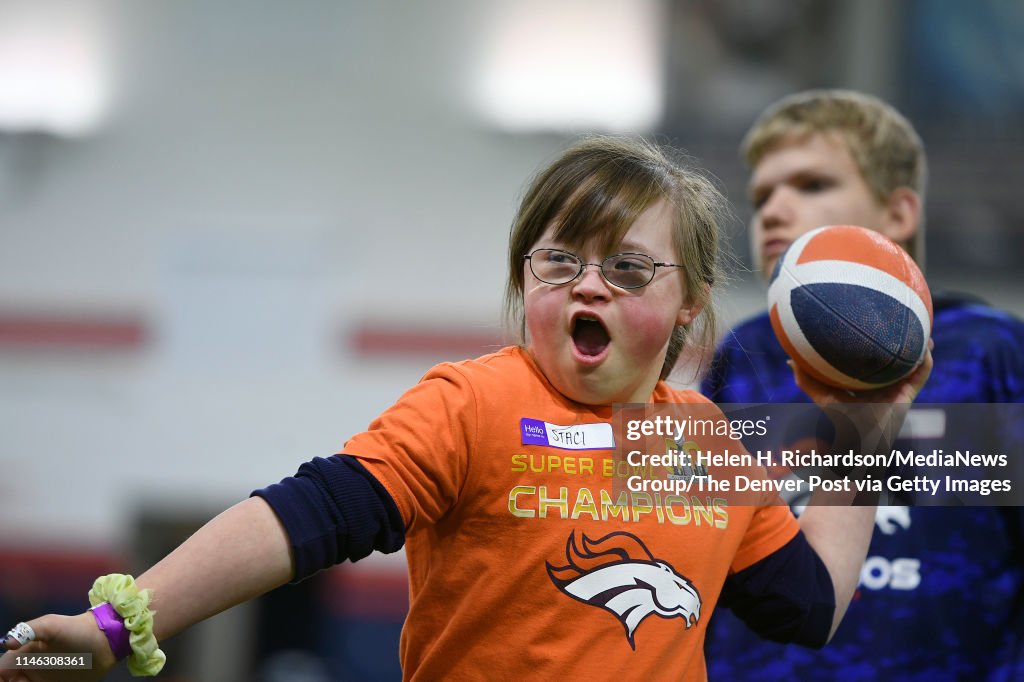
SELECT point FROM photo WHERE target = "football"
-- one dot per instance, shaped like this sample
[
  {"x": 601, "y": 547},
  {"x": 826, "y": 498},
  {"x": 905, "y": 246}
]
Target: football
[{"x": 850, "y": 307}]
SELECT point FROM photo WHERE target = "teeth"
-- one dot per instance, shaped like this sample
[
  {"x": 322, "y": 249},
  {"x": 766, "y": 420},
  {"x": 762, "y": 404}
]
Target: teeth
[{"x": 586, "y": 317}]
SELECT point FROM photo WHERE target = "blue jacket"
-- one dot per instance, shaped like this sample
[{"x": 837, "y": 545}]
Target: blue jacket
[{"x": 942, "y": 591}]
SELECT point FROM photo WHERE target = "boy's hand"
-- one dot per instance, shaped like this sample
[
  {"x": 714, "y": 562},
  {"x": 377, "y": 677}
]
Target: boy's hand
[
  {"x": 866, "y": 421},
  {"x": 902, "y": 392}
]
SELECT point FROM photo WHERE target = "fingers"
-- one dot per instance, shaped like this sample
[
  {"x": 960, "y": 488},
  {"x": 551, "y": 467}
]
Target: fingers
[
  {"x": 7, "y": 675},
  {"x": 818, "y": 392},
  {"x": 920, "y": 375},
  {"x": 21, "y": 638},
  {"x": 52, "y": 634},
  {"x": 904, "y": 391},
  {"x": 18, "y": 636},
  {"x": 30, "y": 648},
  {"x": 22, "y": 635}
]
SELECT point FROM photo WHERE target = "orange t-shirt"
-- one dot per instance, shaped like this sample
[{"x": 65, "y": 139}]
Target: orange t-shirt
[{"x": 531, "y": 561}]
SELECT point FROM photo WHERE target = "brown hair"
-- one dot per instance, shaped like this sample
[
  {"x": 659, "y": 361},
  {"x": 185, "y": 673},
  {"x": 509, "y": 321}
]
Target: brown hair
[
  {"x": 884, "y": 145},
  {"x": 594, "y": 191}
]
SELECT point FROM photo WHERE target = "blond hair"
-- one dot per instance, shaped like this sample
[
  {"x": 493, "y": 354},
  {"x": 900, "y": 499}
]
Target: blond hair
[
  {"x": 594, "y": 192},
  {"x": 884, "y": 145}
]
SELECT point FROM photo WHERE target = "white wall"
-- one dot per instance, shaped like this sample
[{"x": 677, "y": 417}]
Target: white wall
[{"x": 269, "y": 176}]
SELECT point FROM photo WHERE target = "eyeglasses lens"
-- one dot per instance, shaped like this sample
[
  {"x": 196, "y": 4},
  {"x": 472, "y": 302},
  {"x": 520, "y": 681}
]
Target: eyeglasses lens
[{"x": 625, "y": 270}]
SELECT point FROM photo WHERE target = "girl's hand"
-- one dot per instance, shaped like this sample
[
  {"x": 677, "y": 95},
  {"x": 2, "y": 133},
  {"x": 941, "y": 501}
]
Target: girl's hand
[{"x": 56, "y": 635}]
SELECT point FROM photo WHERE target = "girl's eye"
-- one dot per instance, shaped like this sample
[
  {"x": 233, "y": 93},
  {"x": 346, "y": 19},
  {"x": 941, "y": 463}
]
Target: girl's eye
[
  {"x": 627, "y": 264},
  {"x": 561, "y": 258}
]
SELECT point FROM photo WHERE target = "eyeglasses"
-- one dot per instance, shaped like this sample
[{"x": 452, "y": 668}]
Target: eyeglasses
[{"x": 624, "y": 270}]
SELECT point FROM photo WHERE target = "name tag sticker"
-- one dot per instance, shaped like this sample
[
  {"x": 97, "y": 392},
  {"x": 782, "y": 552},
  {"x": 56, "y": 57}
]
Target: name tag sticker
[{"x": 577, "y": 437}]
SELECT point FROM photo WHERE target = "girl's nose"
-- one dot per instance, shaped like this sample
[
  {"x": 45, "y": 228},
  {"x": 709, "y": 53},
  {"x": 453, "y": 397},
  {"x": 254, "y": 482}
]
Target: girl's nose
[{"x": 591, "y": 284}]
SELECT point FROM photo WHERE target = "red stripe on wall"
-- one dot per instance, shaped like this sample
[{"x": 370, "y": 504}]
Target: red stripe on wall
[
  {"x": 372, "y": 340},
  {"x": 37, "y": 574},
  {"x": 35, "y": 331}
]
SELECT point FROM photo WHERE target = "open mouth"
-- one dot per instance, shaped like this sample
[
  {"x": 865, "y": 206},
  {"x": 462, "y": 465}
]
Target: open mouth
[{"x": 589, "y": 336}]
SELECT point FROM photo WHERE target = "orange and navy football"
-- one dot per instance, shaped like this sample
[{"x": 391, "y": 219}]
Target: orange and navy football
[{"x": 850, "y": 307}]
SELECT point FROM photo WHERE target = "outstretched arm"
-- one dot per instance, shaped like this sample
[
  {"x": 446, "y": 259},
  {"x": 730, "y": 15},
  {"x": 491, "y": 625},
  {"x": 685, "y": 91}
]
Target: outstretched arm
[
  {"x": 237, "y": 556},
  {"x": 838, "y": 530},
  {"x": 332, "y": 510},
  {"x": 240, "y": 554}
]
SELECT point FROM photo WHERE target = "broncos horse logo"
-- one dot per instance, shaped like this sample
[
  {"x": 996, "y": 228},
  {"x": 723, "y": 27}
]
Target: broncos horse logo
[{"x": 618, "y": 573}]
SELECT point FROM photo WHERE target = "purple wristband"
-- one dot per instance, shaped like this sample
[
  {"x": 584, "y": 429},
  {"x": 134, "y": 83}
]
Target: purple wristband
[{"x": 113, "y": 627}]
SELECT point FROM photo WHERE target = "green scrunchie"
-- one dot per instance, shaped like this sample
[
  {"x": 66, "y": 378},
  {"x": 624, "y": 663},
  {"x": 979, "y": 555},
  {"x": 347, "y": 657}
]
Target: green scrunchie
[{"x": 133, "y": 606}]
